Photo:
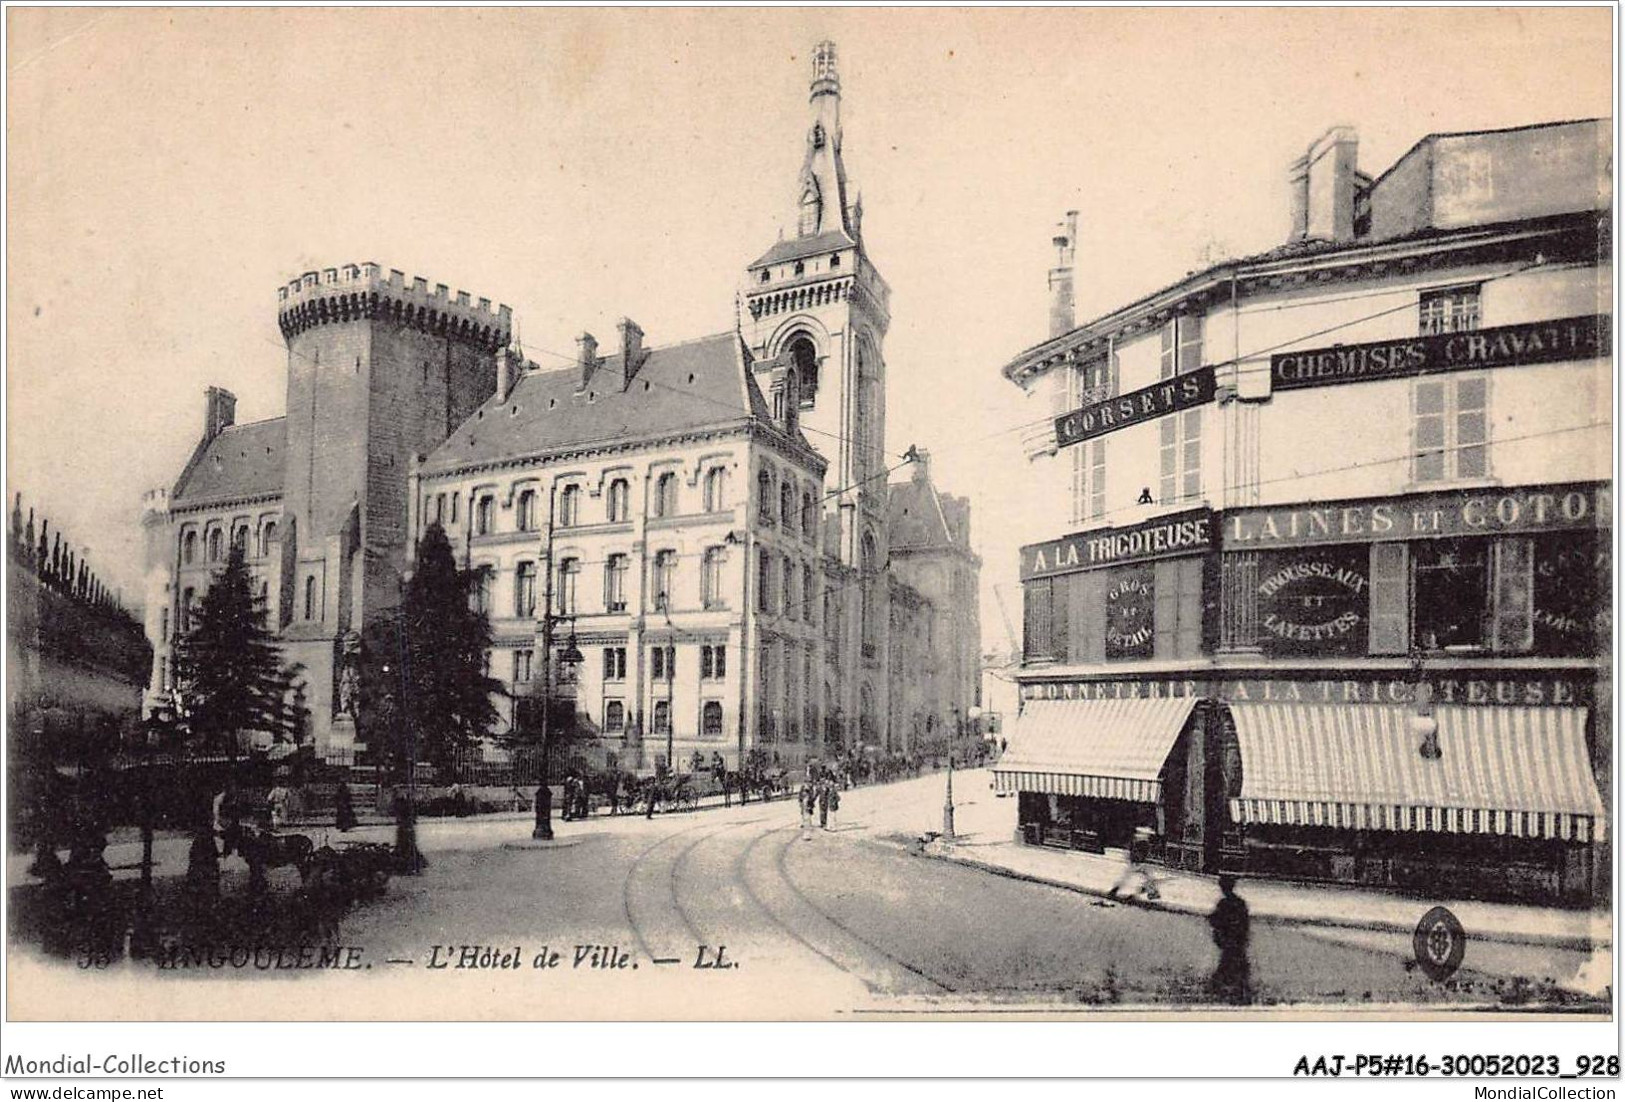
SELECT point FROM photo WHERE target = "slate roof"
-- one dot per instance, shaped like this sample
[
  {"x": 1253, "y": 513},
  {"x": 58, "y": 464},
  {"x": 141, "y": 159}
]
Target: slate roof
[
  {"x": 795, "y": 248},
  {"x": 242, "y": 461},
  {"x": 915, "y": 517},
  {"x": 700, "y": 384}
]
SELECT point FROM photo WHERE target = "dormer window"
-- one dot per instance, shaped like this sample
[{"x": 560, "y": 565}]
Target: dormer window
[
  {"x": 767, "y": 275},
  {"x": 801, "y": 268},
  {"x": 835, "y": 261}
]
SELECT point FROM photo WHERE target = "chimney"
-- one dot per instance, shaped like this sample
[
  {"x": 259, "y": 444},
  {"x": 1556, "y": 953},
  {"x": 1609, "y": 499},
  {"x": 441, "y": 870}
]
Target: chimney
[
  {"x": 509, "y": 368},
  {"x": 632, "y": 353},
  {"x": 922, "y": 466},
  {"x": 1062, "y": 305},
  {"x": 219, "y": 411},
  {"x": 1322, "y": 184},
  {"x": 587, "y": 357}
]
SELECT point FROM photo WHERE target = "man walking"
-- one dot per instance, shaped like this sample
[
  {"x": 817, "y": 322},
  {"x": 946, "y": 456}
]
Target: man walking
[
  {"x": 1230, "y": 923},
  {"x": 1134, "y": 870}
]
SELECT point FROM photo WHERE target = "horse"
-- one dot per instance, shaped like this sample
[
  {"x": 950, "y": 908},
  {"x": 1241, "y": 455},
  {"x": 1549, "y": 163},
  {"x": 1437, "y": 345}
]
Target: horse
[{"x": 263, "y": 850}]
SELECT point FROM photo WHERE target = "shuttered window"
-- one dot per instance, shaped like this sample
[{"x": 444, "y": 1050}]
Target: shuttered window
[
  {"x": 1178, "y": 587},
  {"x": 1514, "y": 608},
  {"x": 1037, "y": 615},
  {"x": 1390, "y": 599}
]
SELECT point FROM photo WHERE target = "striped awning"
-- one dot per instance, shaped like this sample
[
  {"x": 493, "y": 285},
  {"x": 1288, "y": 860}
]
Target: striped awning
[
  {"x": 1522, "y": 772},
  {"x": 1106, "y": 749}
]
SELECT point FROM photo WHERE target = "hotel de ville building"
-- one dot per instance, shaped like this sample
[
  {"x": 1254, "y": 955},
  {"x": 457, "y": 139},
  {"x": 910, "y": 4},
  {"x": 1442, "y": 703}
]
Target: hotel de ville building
[
  {"x": 1322, "y": 582},
  {"x": 707, "y": 523}
]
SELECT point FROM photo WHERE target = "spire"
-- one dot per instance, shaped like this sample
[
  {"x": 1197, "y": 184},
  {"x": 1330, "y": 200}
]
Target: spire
[{"x": 821, "y": 201}]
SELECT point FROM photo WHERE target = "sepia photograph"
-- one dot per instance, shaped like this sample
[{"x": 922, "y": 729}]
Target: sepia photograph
[{"x": 811, "y": 515}]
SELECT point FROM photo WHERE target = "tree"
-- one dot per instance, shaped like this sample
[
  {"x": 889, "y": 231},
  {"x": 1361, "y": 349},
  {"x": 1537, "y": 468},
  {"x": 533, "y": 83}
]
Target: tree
[
  {"x": 230, "y": 680},
  {"x": 424, "y": 690}
]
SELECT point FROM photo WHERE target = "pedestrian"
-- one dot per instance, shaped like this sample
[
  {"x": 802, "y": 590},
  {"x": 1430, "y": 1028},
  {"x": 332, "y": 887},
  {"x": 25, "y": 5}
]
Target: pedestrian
[
  {"x": 823, "y": 805},
  {"x": 1230, "y": 923},
  {"x": 806, "y": 800},
  {"x": 834, "y": 805},
  {"x": 343, "y": 808},
  {"x": 583, "y": 799},
  {"x": 1134, "y": 870},
  {"x": 277, "y": 802},
  {"x": 650, "y": 792}
]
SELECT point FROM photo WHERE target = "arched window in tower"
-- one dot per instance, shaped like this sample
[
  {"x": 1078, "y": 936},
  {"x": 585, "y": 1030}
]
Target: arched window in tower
[
  {"x": 267, "y": 538},
  {"x": 806, "y": 361},
  {"x": 310, "y": 597}
]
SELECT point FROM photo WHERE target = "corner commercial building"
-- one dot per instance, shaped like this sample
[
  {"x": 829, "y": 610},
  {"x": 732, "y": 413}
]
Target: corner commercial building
[{"x": 1326, "y": 589}]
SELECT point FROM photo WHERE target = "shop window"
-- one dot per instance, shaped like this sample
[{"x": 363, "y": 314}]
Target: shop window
[
  {"x": 614, "y": 716},
  {"x": 1514, "y": 606},
  {"x": 1181, "y": 457},
  {"x": 1451, "y": 593},
  {"x": 1132, "y": 614},
  {"x": 1454, "y": 310},
  {"x": 1450, "y": 428},
  {"x": 1571, "y": 578},
  {"x": 614, "y": 663},
  {"x": 1177, "y": 593},
  {"x": 711, "y": 719}
]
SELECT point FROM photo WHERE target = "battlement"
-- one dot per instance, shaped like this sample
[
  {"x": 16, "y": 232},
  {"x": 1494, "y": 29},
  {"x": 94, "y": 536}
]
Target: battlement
[
  {"x": 155, "y": 503},
  {"x": 353, "y": 291}
]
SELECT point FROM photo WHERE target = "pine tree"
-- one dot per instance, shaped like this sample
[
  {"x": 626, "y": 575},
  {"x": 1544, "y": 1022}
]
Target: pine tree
[
  {"x": 424, "y": 691},
  {"x": 230, "y": 680}
]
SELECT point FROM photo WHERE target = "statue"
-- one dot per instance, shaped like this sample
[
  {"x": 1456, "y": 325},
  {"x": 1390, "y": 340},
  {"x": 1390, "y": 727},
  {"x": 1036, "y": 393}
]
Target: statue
[{"x": 348, "y": 698}]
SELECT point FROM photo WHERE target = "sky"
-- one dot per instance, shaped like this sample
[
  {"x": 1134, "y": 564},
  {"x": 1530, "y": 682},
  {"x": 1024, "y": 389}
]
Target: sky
[{"x": 167, "y": 169}]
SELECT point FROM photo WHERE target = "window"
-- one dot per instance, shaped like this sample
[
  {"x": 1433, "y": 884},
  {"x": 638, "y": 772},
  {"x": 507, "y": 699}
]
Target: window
[
  {"x": 809, "y": 518},
  {"x": 870, "y": 563},
  {"x": 1181, "y": 345},
  {"x": 806, "y": 363},
  {"x": 1037, "y": 619},
  {"x": 791, "y": 608},
  {"x": 665, "y": 500},
  {"x": 189, "y": 606},
  {"x": 524, "y": 589},
  {"x": 764, "y": 580},
  {"x": 835, "y": 261},
  {"x": 1450, "y": 593},
  {"x": 1454, "y": 310},
  {"x": 267, "y": 538},
  {"x": 711, "y": 578},
  {"x": 614, "y": 715},
  {"x": 807, "y": 595},
  {"x": 787, "y": 506},
  {"x": 615, "y": 583},
  {"x": 310, "y": 597},
  {"x": 569, "y": 575},
  {"x": 239, "y": 538},
  {"x": 1451, "y": 428},
  {"x": 807, "y": 223},
  {"x": 526, "y": 514},
  {"x": 522, "y": 664},
  {"x": 163, "y": 674},
  {"x": 764, "y": 496},
  {"x": 665, "y": 579},
  {"x": 479, "y": 595},
  {"x": 660, "y": 721},
  {"x": 801, "y": 267},
  {"x": 438, "y": 513},
  {"x": 614, "y": 663},
  {"x": 216, "y": 544},
  {"x": 482, "y": 516},
  {"x": 663, "y": 663},
  {"x": 163, "y": 628},
  {"x": 619, "y": 495},
  {"x": 716, "y": 490},
  {"x": 189, "y": 548},
  {"x": 711, "y": 719},
  {"x": 714, "y": 661},
  {"x": 1177, "y": 604},
  {"x": 454, "y": 508},
  {"x": 1181, "y": 448},
  {"x": 1089, "y": 480}
]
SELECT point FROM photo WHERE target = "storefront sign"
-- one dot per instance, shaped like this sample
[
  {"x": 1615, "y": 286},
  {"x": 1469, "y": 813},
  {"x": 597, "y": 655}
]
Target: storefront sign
[
  {"x": 1420, "y": 516},
  {"x": 1315, "y": 602},
  {"x": 1194, "y": 388},
  {"x": 1181, "y": 534},
  {"x": 1130, "y": 602},
  {"x": 1489, "y": 691},
  {"x": 1584, "y": 337}
]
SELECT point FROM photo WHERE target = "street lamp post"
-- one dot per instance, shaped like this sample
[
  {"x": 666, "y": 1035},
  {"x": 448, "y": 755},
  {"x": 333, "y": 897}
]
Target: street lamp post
[{"x": 948, "y": 803}]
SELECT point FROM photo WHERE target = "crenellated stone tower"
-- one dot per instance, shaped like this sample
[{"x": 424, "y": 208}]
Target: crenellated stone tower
[
  {"x": 380, "y": 369},
  {"x": 815, "y": 315}
]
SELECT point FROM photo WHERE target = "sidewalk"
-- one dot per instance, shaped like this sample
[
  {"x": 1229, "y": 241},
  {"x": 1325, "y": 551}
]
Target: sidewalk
[{"x": 985, "y": 826}]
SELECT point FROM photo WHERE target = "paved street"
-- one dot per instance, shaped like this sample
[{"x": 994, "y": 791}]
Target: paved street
[{"x": 839, "y": 922}]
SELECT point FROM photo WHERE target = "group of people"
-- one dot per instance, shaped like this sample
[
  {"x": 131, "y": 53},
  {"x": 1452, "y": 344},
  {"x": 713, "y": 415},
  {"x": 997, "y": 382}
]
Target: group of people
[
  {"x": 821, "y": 795},
  {"x": 577, "y": 802}
]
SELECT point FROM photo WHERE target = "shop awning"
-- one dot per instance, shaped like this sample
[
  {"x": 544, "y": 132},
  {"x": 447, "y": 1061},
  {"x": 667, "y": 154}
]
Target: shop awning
[
  {"x": 1522, "y": 772},
  {"x": 1107, "y": 749}
]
